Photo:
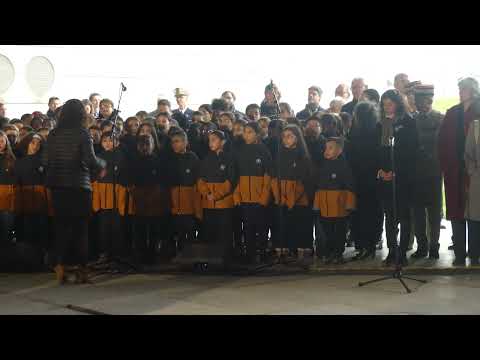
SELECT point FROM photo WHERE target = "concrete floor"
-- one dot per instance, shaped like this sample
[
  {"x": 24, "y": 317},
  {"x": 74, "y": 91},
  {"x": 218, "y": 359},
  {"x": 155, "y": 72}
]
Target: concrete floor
[
  {"x": 189, "y": 294},
  {"x": 280, "y": 290}
]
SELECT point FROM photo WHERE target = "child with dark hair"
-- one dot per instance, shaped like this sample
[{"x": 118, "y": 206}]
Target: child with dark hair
[
  {"x": 252, "y": 112},
  {"x": 264, "y": 122},
  {"x": 37, "y": 122},
  {"x": 253, "y": 165},
  {"x": 150, "y": 199},
  {"x": 31, "y": 196},
  {"x": 7, "y": 188},
  {"x": 110, "y": 203},
  {"x": 371, "y": 95},
  {"x": 128, "y": 141},
  {"x": 291, "y": 187},
  {"x": 96, "y": 134},
  {"x": 197, "y": 116},
  {"x": 330, "y": 125},
  {"x": 184, "y": 197},
  {"x": 334, "y": 199},
  {"x": 346, "y": 124},
  {"x": 216, "y": 184},
  {"x": 106, "y": 126}
]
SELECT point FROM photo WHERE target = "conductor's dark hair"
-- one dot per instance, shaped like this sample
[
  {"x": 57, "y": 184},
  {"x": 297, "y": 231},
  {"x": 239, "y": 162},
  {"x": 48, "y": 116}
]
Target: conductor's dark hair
[
  {"x": 73, "y": 115},
  {"x": 397, "y": 99}
]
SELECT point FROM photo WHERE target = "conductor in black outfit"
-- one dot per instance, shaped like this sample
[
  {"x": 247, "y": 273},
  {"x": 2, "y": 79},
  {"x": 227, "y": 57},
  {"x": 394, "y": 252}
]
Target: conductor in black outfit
[{"x": 69, "y": 160}]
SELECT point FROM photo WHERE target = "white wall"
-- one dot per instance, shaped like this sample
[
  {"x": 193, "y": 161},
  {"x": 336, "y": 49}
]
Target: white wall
[{"x": 152, "y": 71}]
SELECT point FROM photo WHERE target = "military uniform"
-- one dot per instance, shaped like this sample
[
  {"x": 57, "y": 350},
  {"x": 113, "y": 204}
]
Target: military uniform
[{"x": 428, "y": 180}]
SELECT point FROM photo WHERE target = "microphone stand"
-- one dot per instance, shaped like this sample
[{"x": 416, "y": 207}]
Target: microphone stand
[
  {"x": 116, "y": 263},
  {"x": 280, "y": 210},
  {"x": 397, "y": 272}
]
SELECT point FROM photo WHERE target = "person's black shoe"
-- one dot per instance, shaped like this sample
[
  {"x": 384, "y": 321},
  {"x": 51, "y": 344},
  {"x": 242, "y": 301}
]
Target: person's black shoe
[
  {"x": 390, "y": 259},
  {"x": 329, "y": 260},
  {"x": 433, "y": 254},
  {"x": 474, "y": 262},
  {"x": 359, "y": 255},
  {"x": 368, "y": 255},
  {"x": 442, "y": 227},
  {"x": 458, "y": 262},
  {"x": 420, "y": 254},
  {"x": 451, "y": 247},
  {"x": 380, "y": 245}
]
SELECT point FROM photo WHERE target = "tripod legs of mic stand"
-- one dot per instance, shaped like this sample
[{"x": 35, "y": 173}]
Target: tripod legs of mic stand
[{"x": 397, "y": 274}]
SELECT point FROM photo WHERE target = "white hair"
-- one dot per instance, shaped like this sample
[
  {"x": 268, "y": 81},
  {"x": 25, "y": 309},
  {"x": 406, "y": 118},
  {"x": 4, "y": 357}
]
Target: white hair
[{"x": 471, "y": 84}]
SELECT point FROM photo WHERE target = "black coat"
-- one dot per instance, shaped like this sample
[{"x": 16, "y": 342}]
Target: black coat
[
  {"x": 30, "y": 171},
  {"x": 405, "y": 151},
  {"x": 271, "y": 111},
  {"x": 70, "y": 158},
  {"x": 184, "y": 120},
  {"x": 316, "y": 148},
  {"x": 363, "y": 153},
  {"x": 116, "y": 164},
  {"x": 349, "y": 107},
  {"x": 307, "y": 112}
]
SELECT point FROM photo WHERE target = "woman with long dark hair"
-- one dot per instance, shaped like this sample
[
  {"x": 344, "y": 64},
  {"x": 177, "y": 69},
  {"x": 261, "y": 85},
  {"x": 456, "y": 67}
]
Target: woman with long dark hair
[
  {"x": 70, "y": 159},
  {"x": 397, "y": 124},
  {"x": 362, "y": 154},
  {"x": 292, "y": 192}
]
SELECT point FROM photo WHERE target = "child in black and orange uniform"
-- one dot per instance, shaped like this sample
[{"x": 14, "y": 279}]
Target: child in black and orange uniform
[
  {"x": 334, "y": 199},
  {"x": 150, "y": 200},
  {"x": 291, "y": 187},
  {"x": 184, "y": 199},
  {"x": 253, "y": 165},
  {"x": 215, "y": 185},
  {"x": 31, "y": 196},
  {"x": 7, "y": 188},
  {"x": 109, "y": 204}
]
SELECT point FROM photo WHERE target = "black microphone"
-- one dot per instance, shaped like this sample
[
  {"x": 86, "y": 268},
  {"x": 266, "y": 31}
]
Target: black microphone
[{"x": 124, "y": 88}]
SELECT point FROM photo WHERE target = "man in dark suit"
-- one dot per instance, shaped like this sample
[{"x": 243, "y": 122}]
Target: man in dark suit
[
  {"x": 183, "y": 114},
  {"x": 313, "y": 106},
  {"x": 358, "y": 87}
]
